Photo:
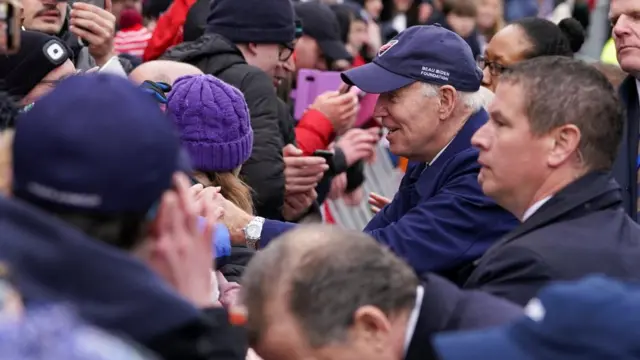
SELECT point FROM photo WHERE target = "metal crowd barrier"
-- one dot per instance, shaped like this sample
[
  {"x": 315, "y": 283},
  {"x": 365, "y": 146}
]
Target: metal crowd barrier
[{"x": 380, "y": 177}]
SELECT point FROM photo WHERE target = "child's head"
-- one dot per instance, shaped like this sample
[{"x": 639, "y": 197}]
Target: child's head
[
  {"x": 490, "y": 16},
  {"x": 461, "y": 15}
]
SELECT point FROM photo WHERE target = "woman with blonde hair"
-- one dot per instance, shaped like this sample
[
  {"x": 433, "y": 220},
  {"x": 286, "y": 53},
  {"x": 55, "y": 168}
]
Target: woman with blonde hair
[
  {"x": 214, "y": 125},
  {"x": 215, "y": 128}
]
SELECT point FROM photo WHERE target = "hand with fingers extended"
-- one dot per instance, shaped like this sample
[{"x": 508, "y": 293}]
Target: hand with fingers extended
[
  {"x": 377, "y": 202},
  {"x": 96, "y": 26},
  {"x": 183, "y": 251},
  {"x": 340, "y": 109},
  {"x": 358, "y": 144},
  {"x": 301, "y": 173}
]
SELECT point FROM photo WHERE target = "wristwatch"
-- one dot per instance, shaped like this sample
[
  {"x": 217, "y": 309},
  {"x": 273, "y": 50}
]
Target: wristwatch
[{"x": 253, "y": 232}]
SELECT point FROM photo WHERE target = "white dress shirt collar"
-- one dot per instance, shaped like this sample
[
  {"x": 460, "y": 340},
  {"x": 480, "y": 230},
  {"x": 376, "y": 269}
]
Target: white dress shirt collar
[
  {"x": 532, "y": 210},
  {"x": 413, "y": 319}
]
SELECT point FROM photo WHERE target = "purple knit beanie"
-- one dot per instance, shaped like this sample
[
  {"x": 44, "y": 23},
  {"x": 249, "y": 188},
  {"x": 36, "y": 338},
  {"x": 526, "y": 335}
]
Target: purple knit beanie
[{"x": 213, "y": 120}]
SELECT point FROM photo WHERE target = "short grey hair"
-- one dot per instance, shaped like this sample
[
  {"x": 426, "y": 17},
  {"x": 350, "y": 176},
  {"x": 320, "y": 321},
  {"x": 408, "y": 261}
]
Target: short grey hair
[
  {"x": 473, "y": 101},
  {"x": 323, "y": 275}
]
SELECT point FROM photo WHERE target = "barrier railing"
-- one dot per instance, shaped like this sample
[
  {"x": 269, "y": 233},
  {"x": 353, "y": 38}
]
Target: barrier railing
[{"x": 380, "y": 177}]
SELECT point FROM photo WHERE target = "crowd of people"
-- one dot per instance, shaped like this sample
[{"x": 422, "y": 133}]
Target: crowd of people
[{"x": 161, "y": 197}]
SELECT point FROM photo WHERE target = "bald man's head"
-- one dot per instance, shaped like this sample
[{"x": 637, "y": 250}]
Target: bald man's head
[
  {"x": 162, "y": 71},
  {"x": 313, "y": 279}
]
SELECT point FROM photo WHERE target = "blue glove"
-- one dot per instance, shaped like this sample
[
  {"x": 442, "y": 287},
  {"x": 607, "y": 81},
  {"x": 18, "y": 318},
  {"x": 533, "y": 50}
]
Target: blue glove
[
  {"x": 221, "y": 240},
  {"x": 158, "y": 90}
]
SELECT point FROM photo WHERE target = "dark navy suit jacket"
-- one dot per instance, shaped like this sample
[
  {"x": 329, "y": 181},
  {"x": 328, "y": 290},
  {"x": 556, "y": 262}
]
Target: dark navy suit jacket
[
  {"x": 446, "y": 308},
  {"x": 581, "y": 230}
]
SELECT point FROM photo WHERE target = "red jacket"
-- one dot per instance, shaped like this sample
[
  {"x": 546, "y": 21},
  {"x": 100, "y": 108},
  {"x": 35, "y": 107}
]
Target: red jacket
[
  {"x": 314, "y": 132},
  {"x": 168, "y": 31}
]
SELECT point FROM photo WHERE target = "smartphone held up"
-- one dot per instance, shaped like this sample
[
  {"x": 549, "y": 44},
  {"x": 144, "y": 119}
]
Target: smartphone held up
[{"x": 99, "y": 3}]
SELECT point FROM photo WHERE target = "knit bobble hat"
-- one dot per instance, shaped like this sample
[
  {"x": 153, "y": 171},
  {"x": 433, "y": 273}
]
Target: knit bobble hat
[{"x": 213, "y": 120}]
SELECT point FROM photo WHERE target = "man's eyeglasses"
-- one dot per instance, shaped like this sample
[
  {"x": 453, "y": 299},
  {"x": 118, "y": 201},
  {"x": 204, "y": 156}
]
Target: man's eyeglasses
[
  {"x": 286, "y": 50},
  {"x": 495, "y": 69}
]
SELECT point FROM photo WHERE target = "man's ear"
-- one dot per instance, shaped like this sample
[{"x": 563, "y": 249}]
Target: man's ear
[
  {"x": 565, "y": 143},
  {"x": 252, "y": 48},
  {"x": 448, "y": 98},
  {"x": 371, "y": 325}
]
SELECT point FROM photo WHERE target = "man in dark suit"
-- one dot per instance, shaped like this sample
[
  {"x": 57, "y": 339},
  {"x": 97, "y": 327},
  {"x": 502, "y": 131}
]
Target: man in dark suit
[
  {"x": 546, "y": 154},
  {"x": 327, "y": 293},
  {"x": 626, "y": 34}
]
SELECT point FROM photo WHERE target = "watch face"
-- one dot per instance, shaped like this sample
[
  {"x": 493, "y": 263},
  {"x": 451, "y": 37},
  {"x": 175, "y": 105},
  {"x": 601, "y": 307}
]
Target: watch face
[{"x": 253, "y": 231}]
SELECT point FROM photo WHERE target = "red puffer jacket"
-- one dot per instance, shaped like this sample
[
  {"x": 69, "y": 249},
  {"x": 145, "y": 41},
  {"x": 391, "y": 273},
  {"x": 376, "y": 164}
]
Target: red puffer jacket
[{"x": 168, "y": 31}]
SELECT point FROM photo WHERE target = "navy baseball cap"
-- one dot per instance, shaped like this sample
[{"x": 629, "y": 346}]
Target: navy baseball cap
[
  {"x": 595, "y": 318},
  {"x": 95, "y": 143},
  {"x": 425, "y": 53}
]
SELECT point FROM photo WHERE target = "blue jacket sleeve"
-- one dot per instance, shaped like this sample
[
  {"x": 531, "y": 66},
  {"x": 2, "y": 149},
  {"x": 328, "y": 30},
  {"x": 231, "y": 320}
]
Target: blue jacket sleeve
[
  {"x": 442, "y": 232},
  {"x": 272, "y": 229}
]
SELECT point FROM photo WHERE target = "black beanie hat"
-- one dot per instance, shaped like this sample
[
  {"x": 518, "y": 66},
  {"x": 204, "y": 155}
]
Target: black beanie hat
[
  {"x": 252, "y": 21},
  {"x": 39, "y": 54}
]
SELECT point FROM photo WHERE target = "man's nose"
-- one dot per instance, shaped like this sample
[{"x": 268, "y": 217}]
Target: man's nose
[
  {"x": 380, "y": 110},
  {"x": 621, "y": 27},
  {"x": 486, "y": 76},
  {"x": 479, "y": 140},
  {"x": 289, "y": 65}
]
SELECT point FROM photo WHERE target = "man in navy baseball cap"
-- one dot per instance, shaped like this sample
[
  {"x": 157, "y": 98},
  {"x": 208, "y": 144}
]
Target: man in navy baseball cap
[
  {"x": 430, "y": 54},
  {"x": 431, "y": 105},
  {"x": 596, "y": 318}
]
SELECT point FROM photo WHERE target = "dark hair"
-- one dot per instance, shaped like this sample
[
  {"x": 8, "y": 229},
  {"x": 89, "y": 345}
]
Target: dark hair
[
  {"x": 324, "y": 274},
  {"x": 344, "y": 17},
  {"x": 389, "y": 11},
  {"x": 559, "y": 91},
  {"x": 548, "y": 39}
]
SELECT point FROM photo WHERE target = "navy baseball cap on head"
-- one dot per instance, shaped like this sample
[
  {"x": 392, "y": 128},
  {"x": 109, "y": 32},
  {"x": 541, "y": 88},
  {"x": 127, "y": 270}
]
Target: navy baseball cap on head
[
  {"x": 595, "y": 318},
  {"x": 95, "y": 143},
  {"x": 425, "y": 53}
]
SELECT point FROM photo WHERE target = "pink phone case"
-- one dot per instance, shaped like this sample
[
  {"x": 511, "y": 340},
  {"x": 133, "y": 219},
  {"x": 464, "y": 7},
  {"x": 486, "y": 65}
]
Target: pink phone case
[{"x": 312, "y": 83}]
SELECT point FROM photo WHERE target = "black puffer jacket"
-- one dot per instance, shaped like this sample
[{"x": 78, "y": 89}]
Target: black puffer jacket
[{"x": 264, "y": 171}]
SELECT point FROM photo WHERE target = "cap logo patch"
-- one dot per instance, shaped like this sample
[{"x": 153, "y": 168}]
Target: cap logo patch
[
  {"x": 54, "y": 51},
  {"x": 384, "y": 48}
]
